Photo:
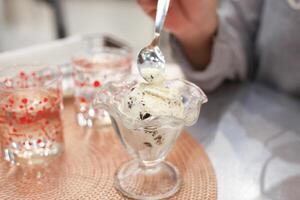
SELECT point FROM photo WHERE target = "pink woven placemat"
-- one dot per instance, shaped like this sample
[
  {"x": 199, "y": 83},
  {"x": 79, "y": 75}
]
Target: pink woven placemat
[{"x": 87, "y": 167}]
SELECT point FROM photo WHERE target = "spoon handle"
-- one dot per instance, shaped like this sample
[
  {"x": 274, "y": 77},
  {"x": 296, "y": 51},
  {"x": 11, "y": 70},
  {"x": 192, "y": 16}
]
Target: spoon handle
[{"x": 161, "y": 13}]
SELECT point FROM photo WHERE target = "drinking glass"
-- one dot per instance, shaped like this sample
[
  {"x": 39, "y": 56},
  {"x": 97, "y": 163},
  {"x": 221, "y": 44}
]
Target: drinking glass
[
  {"x": 31, "y": 129},
  {"x": 91, "y": 70},
  {"x": 148, "y": 140}
]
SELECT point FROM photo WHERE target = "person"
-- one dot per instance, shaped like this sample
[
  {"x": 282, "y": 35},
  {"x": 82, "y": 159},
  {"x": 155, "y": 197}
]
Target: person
[{"x": 243, "y": 39}]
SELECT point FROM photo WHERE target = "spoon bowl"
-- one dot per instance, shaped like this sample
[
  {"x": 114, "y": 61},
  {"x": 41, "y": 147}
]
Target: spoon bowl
[{"x": 151, "y": 63}]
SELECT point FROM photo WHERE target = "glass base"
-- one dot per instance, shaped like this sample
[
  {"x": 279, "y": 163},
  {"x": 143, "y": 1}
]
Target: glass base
[
  {"x": 99, "y": 121},
  {"x": 34, "y": 156},
  {"x": 137, "y": 181}
]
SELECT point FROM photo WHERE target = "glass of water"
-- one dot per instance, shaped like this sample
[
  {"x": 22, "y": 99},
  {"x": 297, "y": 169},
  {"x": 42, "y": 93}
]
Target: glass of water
[
  {"x": 92, "y": 69},
  {"x": 31, "y": 129}
]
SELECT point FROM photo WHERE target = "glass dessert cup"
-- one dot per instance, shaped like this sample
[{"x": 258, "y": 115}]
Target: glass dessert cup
[{"x": 149, "y": 141}]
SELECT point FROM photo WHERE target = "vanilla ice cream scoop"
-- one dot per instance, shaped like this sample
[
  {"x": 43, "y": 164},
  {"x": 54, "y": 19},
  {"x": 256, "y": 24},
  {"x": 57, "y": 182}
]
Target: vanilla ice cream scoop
[{"x": 146, "y": 100}]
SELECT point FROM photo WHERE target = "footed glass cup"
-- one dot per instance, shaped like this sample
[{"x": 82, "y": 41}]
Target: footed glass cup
[{"x": 148, "y": 175}]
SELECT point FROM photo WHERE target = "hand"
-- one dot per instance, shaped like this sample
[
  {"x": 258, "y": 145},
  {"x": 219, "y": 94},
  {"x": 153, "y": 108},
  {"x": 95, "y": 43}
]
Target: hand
[{"x": 193, "y": 22}]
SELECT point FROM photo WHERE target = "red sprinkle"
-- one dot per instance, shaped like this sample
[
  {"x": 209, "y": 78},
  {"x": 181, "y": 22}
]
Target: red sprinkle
[
  {"x": 31, "y": 108},
  {"x": 46, "y": 122},
  {"x": 11, "y": 101},
  {"x": 25, "y": 100},
  {"x": 14, "y": 130},
  {"x": 22, "y": 74},
  {"x": 82, "y": 100},
  {"x": 45, "y": 99},
  {"x": 23, "y": 119},
  {"x": 39, "y": 141},
  {"x": 21, "y": 106},
  {"x": 97, "y": 84}
]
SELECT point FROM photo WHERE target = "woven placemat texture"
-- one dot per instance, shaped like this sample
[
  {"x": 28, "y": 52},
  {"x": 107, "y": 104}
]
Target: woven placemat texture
[{"x": 86, "y": 168}]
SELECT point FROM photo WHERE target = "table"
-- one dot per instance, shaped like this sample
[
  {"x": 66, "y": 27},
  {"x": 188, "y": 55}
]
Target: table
[{"x": 252, "y": 136}]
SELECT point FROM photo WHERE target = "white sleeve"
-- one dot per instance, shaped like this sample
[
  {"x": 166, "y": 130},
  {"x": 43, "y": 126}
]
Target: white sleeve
[{"x": 237, "y": 26}]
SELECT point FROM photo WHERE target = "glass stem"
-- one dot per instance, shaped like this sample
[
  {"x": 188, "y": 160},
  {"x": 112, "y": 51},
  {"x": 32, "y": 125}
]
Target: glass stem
[{"x": 150, "y": 166}]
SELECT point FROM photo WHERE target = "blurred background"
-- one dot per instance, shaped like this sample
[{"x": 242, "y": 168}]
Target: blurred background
[{"x": 27, "y": 22}]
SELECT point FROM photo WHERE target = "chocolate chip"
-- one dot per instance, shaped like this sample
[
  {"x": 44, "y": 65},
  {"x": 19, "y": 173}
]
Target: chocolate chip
[
  {"x": 132, "y": 88},
  {"x": 148, "y": 144},
  {"x": 148, "y": 131},
  {"x": 144, "y": 116},
  {"x": 183, "y": 99},
  {"x": 152, "y": 77},
  {"x": 141, "y": 116},
  {"x": 154, "y": 133},
  {"x": 158, "y": 140},
  {"x": 129, "y": 104},
  {"x": 151, "y": 130}
]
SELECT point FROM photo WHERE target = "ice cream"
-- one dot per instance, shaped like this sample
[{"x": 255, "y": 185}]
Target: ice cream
[
  {"x": 144, "y": 101},
  {"x": 153, "y": 75}
]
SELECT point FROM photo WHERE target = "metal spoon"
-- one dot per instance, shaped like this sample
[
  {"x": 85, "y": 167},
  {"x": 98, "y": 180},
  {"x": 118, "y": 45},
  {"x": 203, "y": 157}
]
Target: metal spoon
[{"x": 151, "y": 61}]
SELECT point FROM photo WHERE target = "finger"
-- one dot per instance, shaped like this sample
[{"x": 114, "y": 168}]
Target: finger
[
  {"x": 152, "y": 13},
  {"x": 149, "y": 7},
  {"x": 147, "y": 3}
]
